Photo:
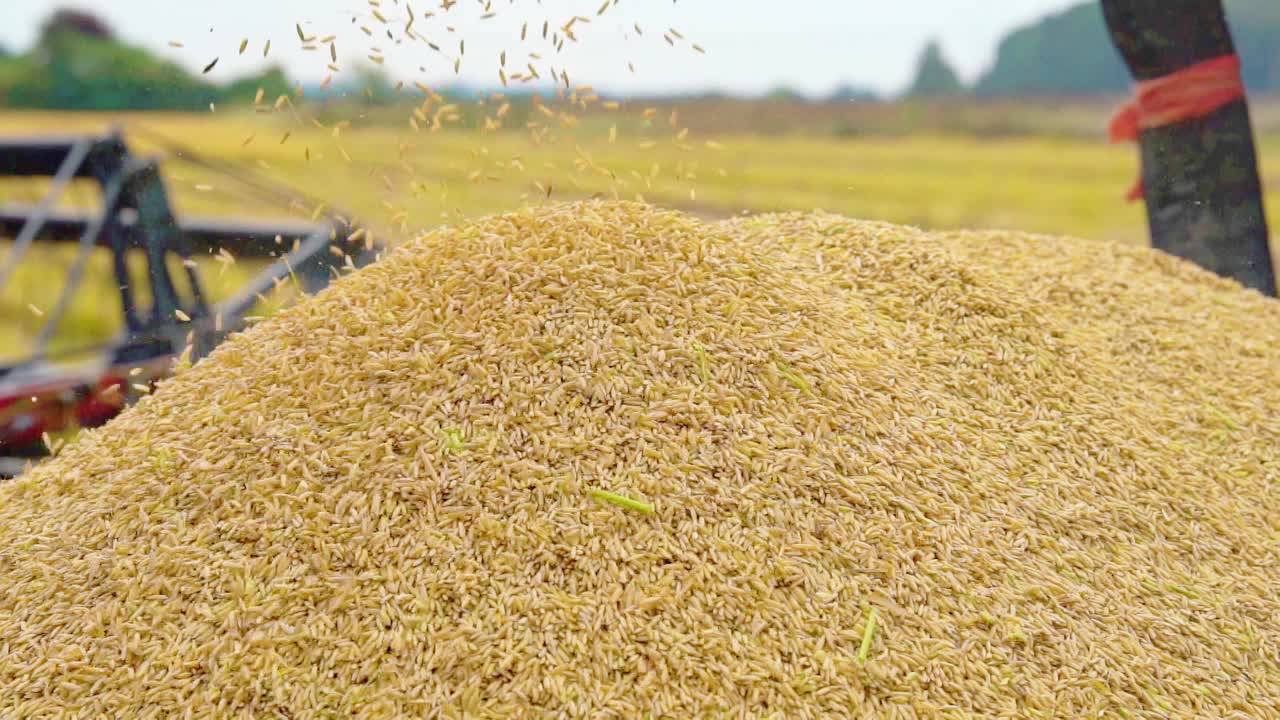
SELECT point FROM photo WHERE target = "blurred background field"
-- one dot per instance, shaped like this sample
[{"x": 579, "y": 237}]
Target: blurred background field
[
  {"x": 1048, "y": 182},
  {"x": 1021, "y": 146},
  {"x": 939, "y": 177}
]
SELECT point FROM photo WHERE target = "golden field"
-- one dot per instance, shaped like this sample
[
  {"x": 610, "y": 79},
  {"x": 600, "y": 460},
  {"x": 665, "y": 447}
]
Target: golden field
[{"x": 398, "y": 181}]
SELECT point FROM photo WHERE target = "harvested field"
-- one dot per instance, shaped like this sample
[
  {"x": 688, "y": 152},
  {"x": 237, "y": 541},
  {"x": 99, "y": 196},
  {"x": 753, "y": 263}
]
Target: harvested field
[{"x": 603, "y": 460}]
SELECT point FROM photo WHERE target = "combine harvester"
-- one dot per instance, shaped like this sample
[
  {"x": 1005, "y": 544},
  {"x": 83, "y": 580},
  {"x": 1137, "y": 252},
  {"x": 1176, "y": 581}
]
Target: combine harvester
[{"x": 44, "y": 392}]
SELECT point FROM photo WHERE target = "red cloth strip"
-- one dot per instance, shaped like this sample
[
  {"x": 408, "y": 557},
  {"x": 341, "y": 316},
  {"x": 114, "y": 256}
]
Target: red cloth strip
[{"x": 1187, "y": 94}]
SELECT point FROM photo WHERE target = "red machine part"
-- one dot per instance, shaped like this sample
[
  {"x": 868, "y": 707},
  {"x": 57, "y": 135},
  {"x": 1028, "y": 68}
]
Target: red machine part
[
  {"x": 104, "y": 403},
  {"x": 24, "y": 419},
  {"x": 29, "y": 412}
]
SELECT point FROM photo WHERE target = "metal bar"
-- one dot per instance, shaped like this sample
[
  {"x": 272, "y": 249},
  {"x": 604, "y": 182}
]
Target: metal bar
[
  {"x": 145, "y": 193},
  {"x": 61, "y": 354},
  {"x": 41, "y": 156},
  {"x": 243, "y": 174},
  {"x": 13, "y": 467},
  {"x": 204, "y": 235},
  {"x": 110, "y": 206},
  {"x": 107, "y": 349},
  {"x": 200, "y": 302},
  {"x": 285, "y": 196},
  {"x": 307, "y": 251},
  {"x": 121, "y": 241},
  {"x": 71, "y": 164}
]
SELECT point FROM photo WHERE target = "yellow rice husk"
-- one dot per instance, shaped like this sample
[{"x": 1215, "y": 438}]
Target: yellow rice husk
[{"x": 1048, "y": 468}]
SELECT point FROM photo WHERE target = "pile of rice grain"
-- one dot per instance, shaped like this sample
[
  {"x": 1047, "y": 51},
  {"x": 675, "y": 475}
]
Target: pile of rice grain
[{"x": 1048, "y": 469}]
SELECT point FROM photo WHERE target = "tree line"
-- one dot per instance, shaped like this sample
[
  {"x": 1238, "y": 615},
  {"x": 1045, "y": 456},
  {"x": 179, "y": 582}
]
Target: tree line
[
  {"x": 1070, "y": 53},
  {"x": 78, "y": 63}
]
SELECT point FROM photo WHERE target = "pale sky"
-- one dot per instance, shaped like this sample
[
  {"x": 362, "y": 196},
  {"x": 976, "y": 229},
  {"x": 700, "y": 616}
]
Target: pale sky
[{"x": 751, "y": 45}]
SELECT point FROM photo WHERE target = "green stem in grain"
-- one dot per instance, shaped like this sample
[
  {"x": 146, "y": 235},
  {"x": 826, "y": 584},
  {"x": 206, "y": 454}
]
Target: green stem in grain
[
  {"x": 868, "y": 634},
  {"x": 795, "y": 379},
  {"x": 1223, "y": 417},
  {"x": 453, "y": 439},
  {"x": 701, "y": 352},
  {"x": 620, "y": 500}
]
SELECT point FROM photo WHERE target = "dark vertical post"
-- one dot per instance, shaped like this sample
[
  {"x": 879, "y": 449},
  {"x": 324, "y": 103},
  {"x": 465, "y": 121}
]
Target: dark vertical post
[{"x": 1200, "y": 176}]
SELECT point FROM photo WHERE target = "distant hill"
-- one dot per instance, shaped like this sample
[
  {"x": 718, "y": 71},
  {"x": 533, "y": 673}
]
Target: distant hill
[
  {"x": 853, "y": 93},
  {"x": 934, "y": 75},
  {"x": 1070, "y": 53},
  {"x": 78, "y": 64},
  {"x": 1256, "y": 26}
]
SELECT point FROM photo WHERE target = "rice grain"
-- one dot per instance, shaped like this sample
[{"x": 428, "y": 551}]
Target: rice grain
[{"x": 892, "y": 474}]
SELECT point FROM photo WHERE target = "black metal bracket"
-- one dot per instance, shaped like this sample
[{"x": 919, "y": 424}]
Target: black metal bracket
[{"x": 161, "y": 312}]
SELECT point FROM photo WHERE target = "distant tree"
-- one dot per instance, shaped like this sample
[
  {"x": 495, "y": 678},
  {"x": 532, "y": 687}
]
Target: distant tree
[
  {"x": 76, "y": 21},
  {"x": 374, "y": 85},
  {"x": 852, "y": 93},
  {"x": 70, "y": 71},
  {"x": 934, "y": 75},
  {"x": 711, "y": 95},
  {"x": 78, "y": 64},
  {"x": 1255, "y": 24},
  {"x": 784, "y": 94},
  {"x": 272, "y": 81},
  {"x": 1067, "y": 53},
  {"x": 365, "y": 85}
]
